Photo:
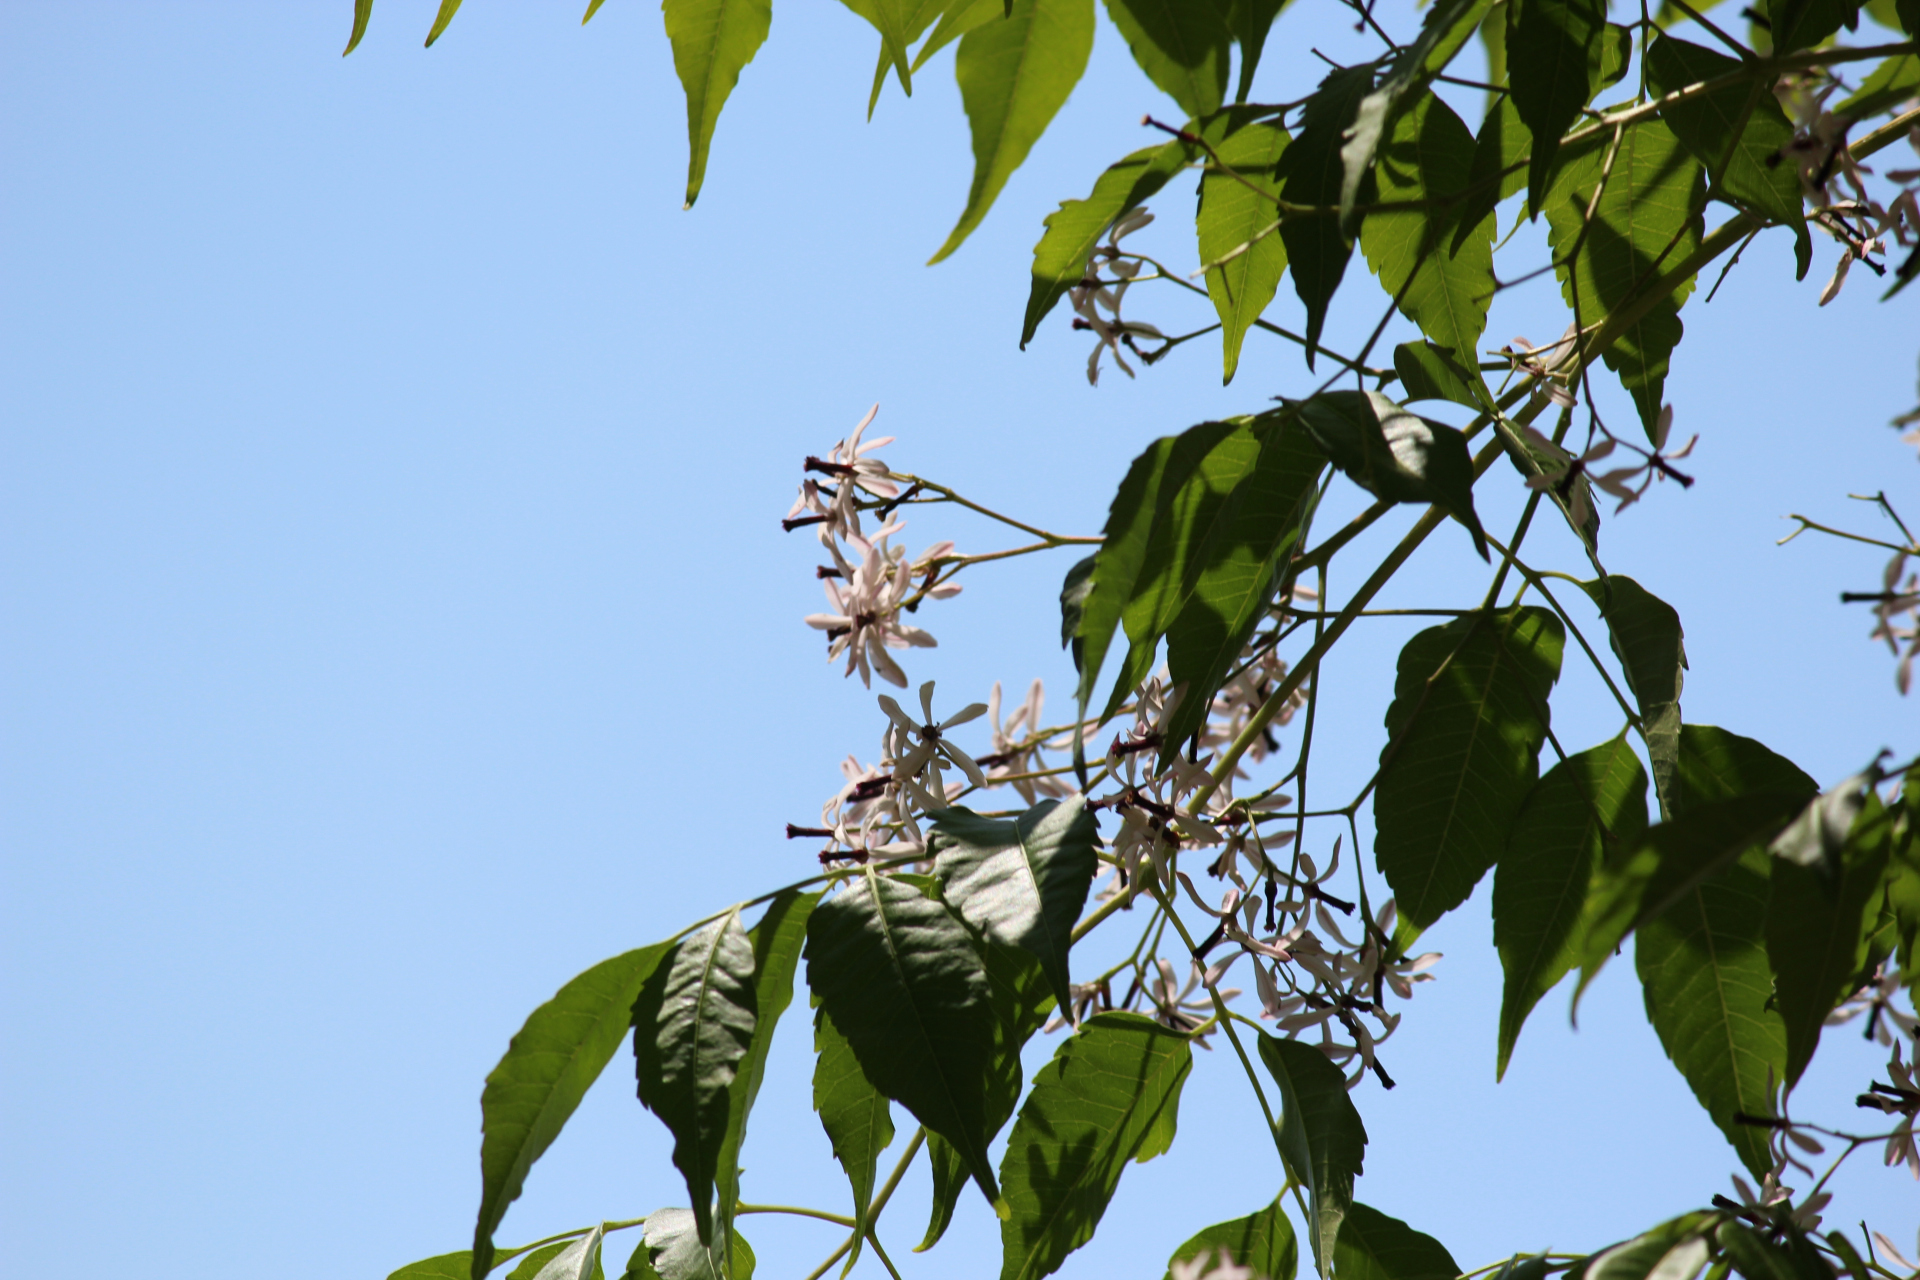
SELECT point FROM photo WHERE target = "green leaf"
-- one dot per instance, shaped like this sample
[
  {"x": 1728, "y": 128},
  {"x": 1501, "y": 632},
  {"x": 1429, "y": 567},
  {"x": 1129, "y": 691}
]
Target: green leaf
[
  {"x": 1428, "y": 372},
  {"x": 1893, "y": 82},
  {"x": 895, "y": 21},
  {"x": 1821, "y": 923},
  {"x": 857, "y": 1117},
  {"x": 547, "y": 1069},
  {"x": 1014, "y": 75},
  {"x": 1313, "y": 173},
  {"x": 1553, "y": 49},
  {"x": 1110, "y": 1095},
  {"x": 579, "y": 1260},
  {"x": 536, "y": 1260},
  {"x": 446, "y": 1266},
  {"x": 712, "y": 40},
  {"x": 1464, "y": 730},
  {"x": 362, "y": 10},
  {"x": 1250, "y": 21},
  {"x": 1374, "y": 1246},
  {"x": 1801, "y": 24},
  {"x": 1261, "y": 1242},
  {"x": 1739, "y": 132},
  {"x": 1758, "y": 1258},
  {"x": 673, "y": 1250},
  {"x": 1674, "y": 1250},
  {"x": 1442, "y": 279},
  {"x": 1194, "y": 537},
  {"x": 692, "y": 1027},
  {"x": 1060, "y": 258},
  {"x": 1181, "y": 45},
  {"x": 1322, "y": 1141},
  {"x": 1021, "y": 882},
  {"x": 1500, "y": 152},
  {"x": 440, "y": 20},
  {"x": 1647, "y": 221},
  {"x": 1234, "y": 218},
  {"x": 1646, "y": 636},
  {"x": 593, "y": 7},
  {"x": 1447, "y": 26},
  {"x": 777, "y": 939},
  {"x": 960, "y": 17},
  {"x": 1393, "y": 454},
  {"x": 901, "y": 979},
  {"x": 1073, "y": 602},
  {"x": 1585, "y": 809}
]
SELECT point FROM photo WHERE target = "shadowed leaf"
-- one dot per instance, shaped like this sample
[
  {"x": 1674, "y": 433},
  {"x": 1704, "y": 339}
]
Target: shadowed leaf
[
  {"x": 1236, "y": 217},
  {"x": 1374, "y": 1246},
  {"x": 1395, "y": 454},
  {"x": 1261, "y": 1242},
  {"x": 1182, "y": 47},
  {"x": 1322, "y": 1140}
]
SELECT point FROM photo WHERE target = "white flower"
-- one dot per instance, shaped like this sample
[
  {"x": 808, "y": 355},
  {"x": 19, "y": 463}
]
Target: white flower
[
  {"x": 1093, "y": 295},
  {"x": 1549, "y": 366},
  {"x": 847, "y": 462},
  {"x": 917, "y": 749},
  {"x": 866, "y": 599}
]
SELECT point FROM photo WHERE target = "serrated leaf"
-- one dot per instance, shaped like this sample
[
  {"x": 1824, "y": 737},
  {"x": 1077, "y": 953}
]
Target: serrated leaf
[
  {"x": 1110, "y": 1096},
  {"x": 1739, "y": 131},
  {"x": 1374, "y": 1246},
  {"x": 1586, "y": 808},
  {"x": 1553, "y": 55},
  {"x": 712, "y": 40},
  {"x": 1500, "y": 152},
  {"x": 1236, "y": 216},
  {"x": 440, "y": 20},
  {"x": 1801, "y": 24},
  {"x": 1060, "y": 258},
  {"x": 1021, "y": 882},
  {"x": 1014, "y": 75},
  {"x": 1448, "y": 24},
  {"x": 1443, "y": 279},
  {"x": 1428, "y": 372},
  {"x": 362, "y": 10},
  {"x": 1464, "y": 732},
  {"x": 1893, "y": 82},
  {"x": 692, "y": 1026},
  {"x": 445, "y": 1266},
  {"x": 1394, "y": 454},
  {"x": 545, "y": 1072},
  {"x": 1313, "y": 173},
  {"x": 1821, "y": 924},
  {"x": 857, "y": 1117},
  {"x": 1647, "y": 221},
  {"x": 1262, "y": 1243},
  {"x": 1322, "y": 1141},
  {"x": 1646, "y": 636},
  {"x": 901, "y": 979},
  {"x": 1250, "y": 21},
  {"x": 673, "y": 1250},
  {"x": 1181, "y": 46}
]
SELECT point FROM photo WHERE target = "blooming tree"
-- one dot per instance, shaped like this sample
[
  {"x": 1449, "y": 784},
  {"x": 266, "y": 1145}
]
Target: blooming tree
[{"x": 1114, "y": 857}]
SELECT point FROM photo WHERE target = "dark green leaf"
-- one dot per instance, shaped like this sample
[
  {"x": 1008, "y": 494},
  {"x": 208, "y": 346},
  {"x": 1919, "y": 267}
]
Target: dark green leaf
[
  {"x": 1893, "y": 82},
  {"x": 1463, "y": 743},
  {"x": 1428, "y": 372},
  {"x": 1250, "y": 20},
  {"x": 1757, "y": 1258},
  {"x": 1443, "y": 280},
  {"x": 1801, "y": 24},
  {"x": 1375, "y": 1247},
  {"x": 1181, "y": 45},
  {"x": 1821, "y": 921},
  {"x": 1586, "y": 808},
  {"x": 901, "y": 979},
  {"x": 1110, "y": 1095},
  {"x": 1261, "y": 1242},
  {"x": 1677, "y": 1247},
  {"x": 1060, "y": 259},
  {"x": 1073, "y": 601},
  {"x": 1021, "y": 882},
  {"x": 1738, "y": 132},
  {"x": 446, "y": 1266},
  {"x": 1646, "y": 636},
  {"x": 1312, "y": 173},
  {"x": 1553, "y": 51},
  {"x": 674, "y": 1252},
  {"x": 1235, "y": 218},
  {"x": 1014, "y": 75},
  {"x": 1446, "y": 28},
  {"x": 362, "y": 10},
  {"x": 1647, "y": 221},
  {"x": 1395, "y": 455},
  {"x": 857, "y": 1117},
  {"x": 1499, "y": 170},
  {"x": 440, "y": 20},
  {"x": 1322, "y": 1140},
  {"x": 536, "y": 1260},
  {"x": 546, "y": 1071},
  {"x": 712, "y": 40},
  {"x": 692, "y": 1026}
]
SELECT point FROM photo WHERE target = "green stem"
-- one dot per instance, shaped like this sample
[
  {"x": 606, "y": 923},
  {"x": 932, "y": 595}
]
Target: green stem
[
  {"x": 879, "y": 1203},
  {"x": 798, "y": 1212}
]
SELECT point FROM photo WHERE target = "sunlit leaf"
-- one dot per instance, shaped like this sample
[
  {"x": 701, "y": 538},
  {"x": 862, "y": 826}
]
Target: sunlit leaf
[
  {"x": 362, "y": 10},
  {"x": 1893, "y": 82},
  {"x": 1322, "y": 1141},
  {"x": 1674, "y": 1250},
  {"x": 960, "y": 17},
  {"x": 547, "y": 1069},
  {"x": 1181, "y": 46},
  {"x": 446, "y": 1266},
  {"x": 673, "y": 1250},
  {"x": 1553, "y": 55},
  {"x": 1374, "y": 1246},
  {"x": 535, "y": 1261},
  {"x": 1587, "y": 807},
  {"x": 1111, "y": 1095},
  {"x": 1014, "y": 74},
  {"x": 1250, "y": 21},
  {"x": 712, "y": 40},
  {"x": 1312, "y": 173},
  {"x": 580, "y": 1260},
  {"x": 857, "y": 1117},
  {"x": 1646, "y": 636},
  {"x": 1464, "y": 730},
  {"x": 440, "y": 20},
  {"x": 1395, "y": 454},
  {"x": 1261, "y": 1242},
  {"x": 1237, "y": 217}
]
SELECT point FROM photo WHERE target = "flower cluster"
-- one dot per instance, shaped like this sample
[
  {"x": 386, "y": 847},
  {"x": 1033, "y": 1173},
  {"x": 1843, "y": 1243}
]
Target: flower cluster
[
  {"x": 1899, "y": 600},
  {"x": 1096, "y": 302},
  {"x": 1560, "y": 471}
]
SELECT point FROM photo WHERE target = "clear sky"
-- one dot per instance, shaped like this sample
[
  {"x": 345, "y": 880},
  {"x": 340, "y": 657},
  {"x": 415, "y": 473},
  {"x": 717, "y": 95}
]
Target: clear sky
[{"x": 397, "y": 621}]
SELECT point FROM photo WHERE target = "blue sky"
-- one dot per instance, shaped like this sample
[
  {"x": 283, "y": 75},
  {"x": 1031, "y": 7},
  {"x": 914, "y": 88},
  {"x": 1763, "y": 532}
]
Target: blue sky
[{"x": 398, "y": 619}]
